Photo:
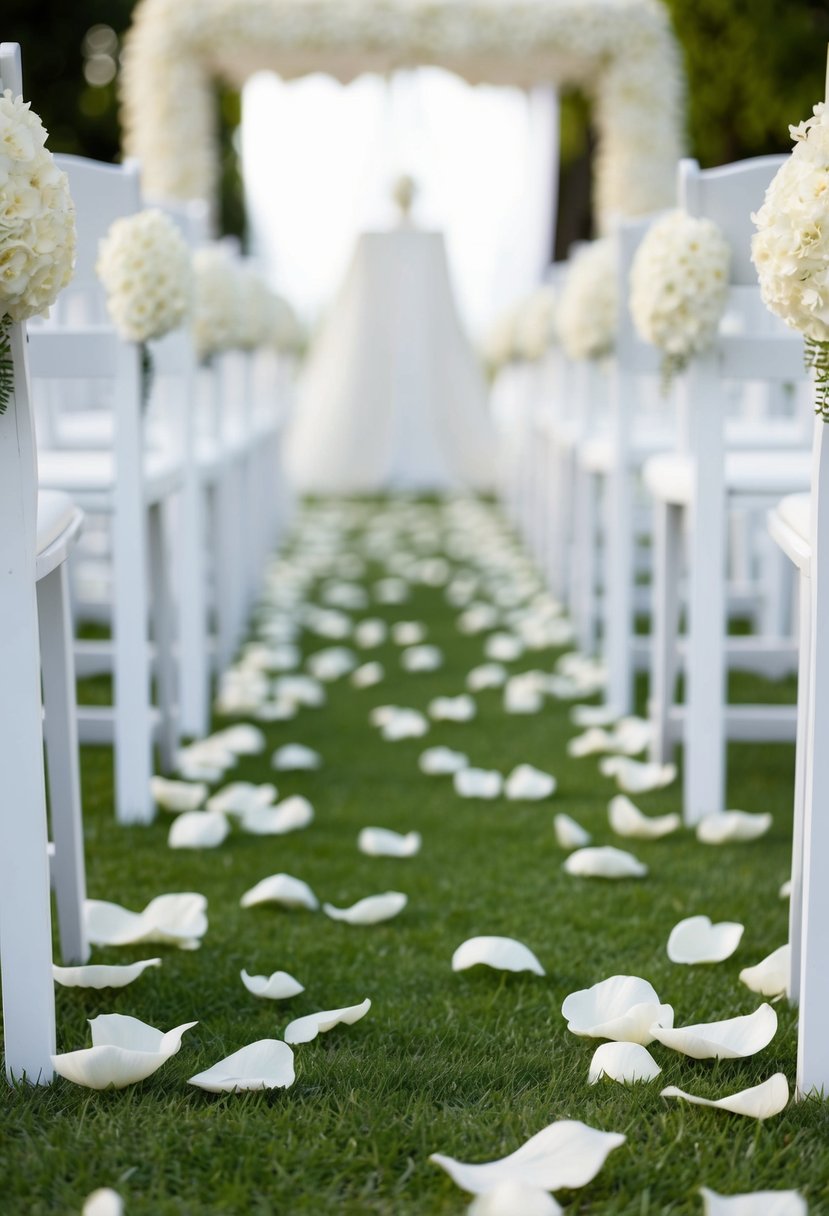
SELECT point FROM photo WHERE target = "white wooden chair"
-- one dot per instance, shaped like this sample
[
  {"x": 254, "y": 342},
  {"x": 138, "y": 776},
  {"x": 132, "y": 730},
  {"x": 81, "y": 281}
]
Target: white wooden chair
[
  {"x": 36, "y": 534},
  {"x": 130, "y": 484},
  {"x": 696, "y": 486}
]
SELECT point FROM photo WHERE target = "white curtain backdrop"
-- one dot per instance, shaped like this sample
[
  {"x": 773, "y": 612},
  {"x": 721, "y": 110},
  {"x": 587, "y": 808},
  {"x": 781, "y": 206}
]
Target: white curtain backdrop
[{"x": 319, "y": 160}]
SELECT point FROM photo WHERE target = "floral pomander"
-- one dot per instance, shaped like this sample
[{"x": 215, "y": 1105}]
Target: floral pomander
[
  {"x": 219, "y": 307},
  {"x": 535, "y": 324},
  {"x": 791, "y": 246},
  {"x": 679, "y": 286},
  {"x": 146, "y": 269},
  {"x": 588, "y": 308}
]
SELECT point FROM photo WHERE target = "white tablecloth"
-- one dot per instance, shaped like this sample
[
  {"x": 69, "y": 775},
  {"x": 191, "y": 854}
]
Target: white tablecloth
[{"x": 393, "y": 396}]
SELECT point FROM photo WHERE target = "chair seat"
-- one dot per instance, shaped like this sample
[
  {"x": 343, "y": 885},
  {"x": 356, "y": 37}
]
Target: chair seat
[
  {"x": 789, "y": 525},
  {"x": 58, "y": 524},
  {"x": 596, "y": 455},
  {"x": 89, "y": 476},
  {"x": 669, "y": 477}
]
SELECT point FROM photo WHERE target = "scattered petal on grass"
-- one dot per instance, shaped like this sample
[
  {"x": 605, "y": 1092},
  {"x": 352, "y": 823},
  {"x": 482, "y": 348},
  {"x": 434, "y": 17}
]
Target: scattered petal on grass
[
  {"x": 593, "y": 715},
  {"x": 758, "y": 1102},
  {"x": 243, "y": 739},
  {"x": 204, "y": 761},
  {"x": 279, "y": 986},
  {"x": 523, "y": 695},
  {"x": 303, "y": 1030},
  {"x": 732, "y": 825},
  {"x": 624, "y": 1008},
  {"x": 280, "y": 889},
  {"x": 295, "y": 757},
  {"x": 369, "y": 911},
  {"x": 528, "y": 784},
  {"x": 198, "y": 830},
  {"x": 754, "y": 1203},
  {"x": 280, "y": 710},
  {"x": 477, "y": 618},
  {"x": 382, "y": 842},
  {"x": 637, "y": 776},
  {"x": 103, "y": 1202},
  {"x": 291, "y": 815},
  {"x": 623, "y": 1062},
  {"x": 593, "y": 742},
  {"x": 770, "y": 977},
  {"x": 175, "y": 919},
  {"x": 487, "y": 675},
  {"x": 332, "y": 663},
  {"x": 299, "y": 689},
  {"x": 503, "y": 647},
  {"x": 478, "y": 783},
  {"x": 421, "y": 658},
  {"x": 404, "y": 724},
  {"x": 632, "y": 735},
  {"x": 408, "y": 633},
  {"x": 565, "y": 1155},
  {"x": 500, "y": 953},
  {"x": 101, "y": 975},
  {"x": 177, "y": 796},
  {"x": 627, "y": 820},
  {"x": 240, "y": 797},
  {"x": 368, "y": 675},
  {"x": 514, "y": 1199},
  {"x": 569, "y": 833},
  {"x": 785, "y": 891},
  {"x": 605, "y": 862},
  {"x": 370, "y": 633},
  {"x": 453, "y": 709},
  {"x": 266, "y": 1064},
  {"x": 696, "y": 940},
  {"x": 439, "y": 761},
  {"x": 124, "y": 1050},
  {"x": 731, "y": 1039},
  {"x": 391, "y": 591}
]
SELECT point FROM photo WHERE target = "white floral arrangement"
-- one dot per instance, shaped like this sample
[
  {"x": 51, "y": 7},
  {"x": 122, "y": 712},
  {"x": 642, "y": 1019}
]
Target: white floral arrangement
[
  {"x": 146, "y": 269},
  {"x": 622, "y": 52},
  {"x": 679, "y": 286},
  {"x": 791, "y": 246},
  {"x": 287, "y": 334},
  {"x": 536, "y": 325},
  {"x": 218, "y": 306},
  {"x": 588, "y": 308},
  {"x": 498, "y": 348},
  {"x": 37, "y": 226}
]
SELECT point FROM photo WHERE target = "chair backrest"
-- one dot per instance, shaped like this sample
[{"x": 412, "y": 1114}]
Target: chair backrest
[
  {"x": 11, "y": 72},
  {"x": 631, "y": 352}
]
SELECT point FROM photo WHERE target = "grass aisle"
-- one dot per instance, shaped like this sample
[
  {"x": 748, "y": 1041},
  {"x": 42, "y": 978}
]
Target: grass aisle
[{"x": 469, "y": 1064}]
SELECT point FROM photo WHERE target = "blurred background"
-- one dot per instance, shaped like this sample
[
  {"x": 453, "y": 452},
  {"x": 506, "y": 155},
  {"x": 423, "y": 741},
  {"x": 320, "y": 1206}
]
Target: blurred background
[{"x": 505, "y": 175}]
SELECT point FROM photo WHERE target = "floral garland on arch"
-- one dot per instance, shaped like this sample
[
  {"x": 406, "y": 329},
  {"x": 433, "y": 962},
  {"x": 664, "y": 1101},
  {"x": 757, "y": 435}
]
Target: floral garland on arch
[
  {"x": 623, "y": 53},
  {"x": 37, "y": 226},
  {"x": 679, "y": 287},
  {"x": 791, "y": 246},
  {"x": 588, "y": 311}
]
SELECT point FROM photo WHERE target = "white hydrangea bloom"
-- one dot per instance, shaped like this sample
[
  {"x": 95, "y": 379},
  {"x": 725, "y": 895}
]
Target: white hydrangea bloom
[
  {"x": 679, "y": 285},
  {"x": 535, "y": 325},
  {"x": 145, "y": 266},
  {"x": 588, "y": 309},
  {"x": 219, "y": 304}
]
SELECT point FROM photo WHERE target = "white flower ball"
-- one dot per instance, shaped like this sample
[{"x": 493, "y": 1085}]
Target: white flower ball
[
  {"x": 146, "y": 269},
  {"x": 588, "y": 308}
]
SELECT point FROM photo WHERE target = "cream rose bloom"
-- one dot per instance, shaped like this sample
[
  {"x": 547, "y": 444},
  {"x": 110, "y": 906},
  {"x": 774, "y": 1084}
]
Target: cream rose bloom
[{"x": 146, "y": 269}]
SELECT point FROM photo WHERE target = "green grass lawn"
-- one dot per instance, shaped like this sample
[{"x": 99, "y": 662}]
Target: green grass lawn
[{"x": 469, "y": 1064}]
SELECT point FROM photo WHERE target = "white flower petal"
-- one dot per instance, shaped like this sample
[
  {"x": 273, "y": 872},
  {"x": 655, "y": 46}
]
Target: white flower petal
[
  {"x": 291, "y": 815},
  {"x": 500, "y": 953},
  {"x": 370, "y": 633},
  {"x": 279, "y": 986},
  {"x": 408, "y": 633},
  {"x": 569, "y": 833},
  {"x": 605, "y": 862},
  {"x": 785, "y": 891},
  {"x": 529, "y": 784},
  {"x": 624, "y": 1008},
  {"x": 770, "y": 977},
  {"x": 198, "y": 830},
  {"x": 623, "y": 1062},
  {"x": 758, "y": 1102},
  {"x": 732, "y": 825},
  {"x": 754, "y": 1203},
  {"x": 280, "y": 889},
  {"x": 240, "y": 797},
  {"x": 369, "y": 911},
  {"x": 696, "y": 940},
  {"x": 627, "y": 820},
  {"x": 564, "y": 1156},
  {"x": 731, "y": 1039},
  {"x": 382, "y": 842},
  {"x": 478, "y": 783},
  {"x": 453, "y": 709},
  {"x": 523, "y": 695},
  {"x": 243, "y": 739},
  {"x": 632, "y": 735},
  {"x": 637, "y": 776},
  {"x": 176, "y": 919},
  {"x": 514, "y": 1199},
  {"x": 437, "y": 761},
  {"x": 124, "y": 1050},
  {"x": 368, "y": 675},
  {"x": 100, "y": 975},
  {"x": 299, "y": 690},
  {"x": 103, "y": 1202},
  {"x": 421, "y": 658},
  {"x": 295, "y": 757},
  {"x": 177, "y": 796},
  {"x": 487, "y": 675},
  {"x": 332, "y": 663},
  {"x": 594, "y": 741},
  {"x": 303, "y": 1030},
  {"x": 593, "y": 715},
  {"x": 404, "y": 724},
  {"x": 503, "y": 647},
  {"x": 265, "y": 1064}
]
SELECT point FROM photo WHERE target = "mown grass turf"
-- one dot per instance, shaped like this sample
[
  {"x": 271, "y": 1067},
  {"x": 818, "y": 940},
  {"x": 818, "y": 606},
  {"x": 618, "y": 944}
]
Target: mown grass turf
[{"x": 469, "y": 1064}]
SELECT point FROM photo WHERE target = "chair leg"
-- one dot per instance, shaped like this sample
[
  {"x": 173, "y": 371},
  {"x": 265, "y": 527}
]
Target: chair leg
[
  {"x": 227, "y": 571},
  {"x": 667, "y": 538},
  {"x": 61, "y": 737},
  {"x": 618, "y": 614},
  {"x": 194, "y": 670},
  {"x": 801, "y": 752},
  {"x": 163, "y": 635},
  {"x": 583, "y": 574}
]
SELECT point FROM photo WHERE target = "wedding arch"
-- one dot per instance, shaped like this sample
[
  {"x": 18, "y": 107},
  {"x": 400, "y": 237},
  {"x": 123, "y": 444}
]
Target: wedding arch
[{"x": 622, "y": 53}]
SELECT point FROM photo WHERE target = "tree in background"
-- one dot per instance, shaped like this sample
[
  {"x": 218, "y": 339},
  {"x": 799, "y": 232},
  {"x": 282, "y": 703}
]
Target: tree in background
[{"x": 753, "y": 67}]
